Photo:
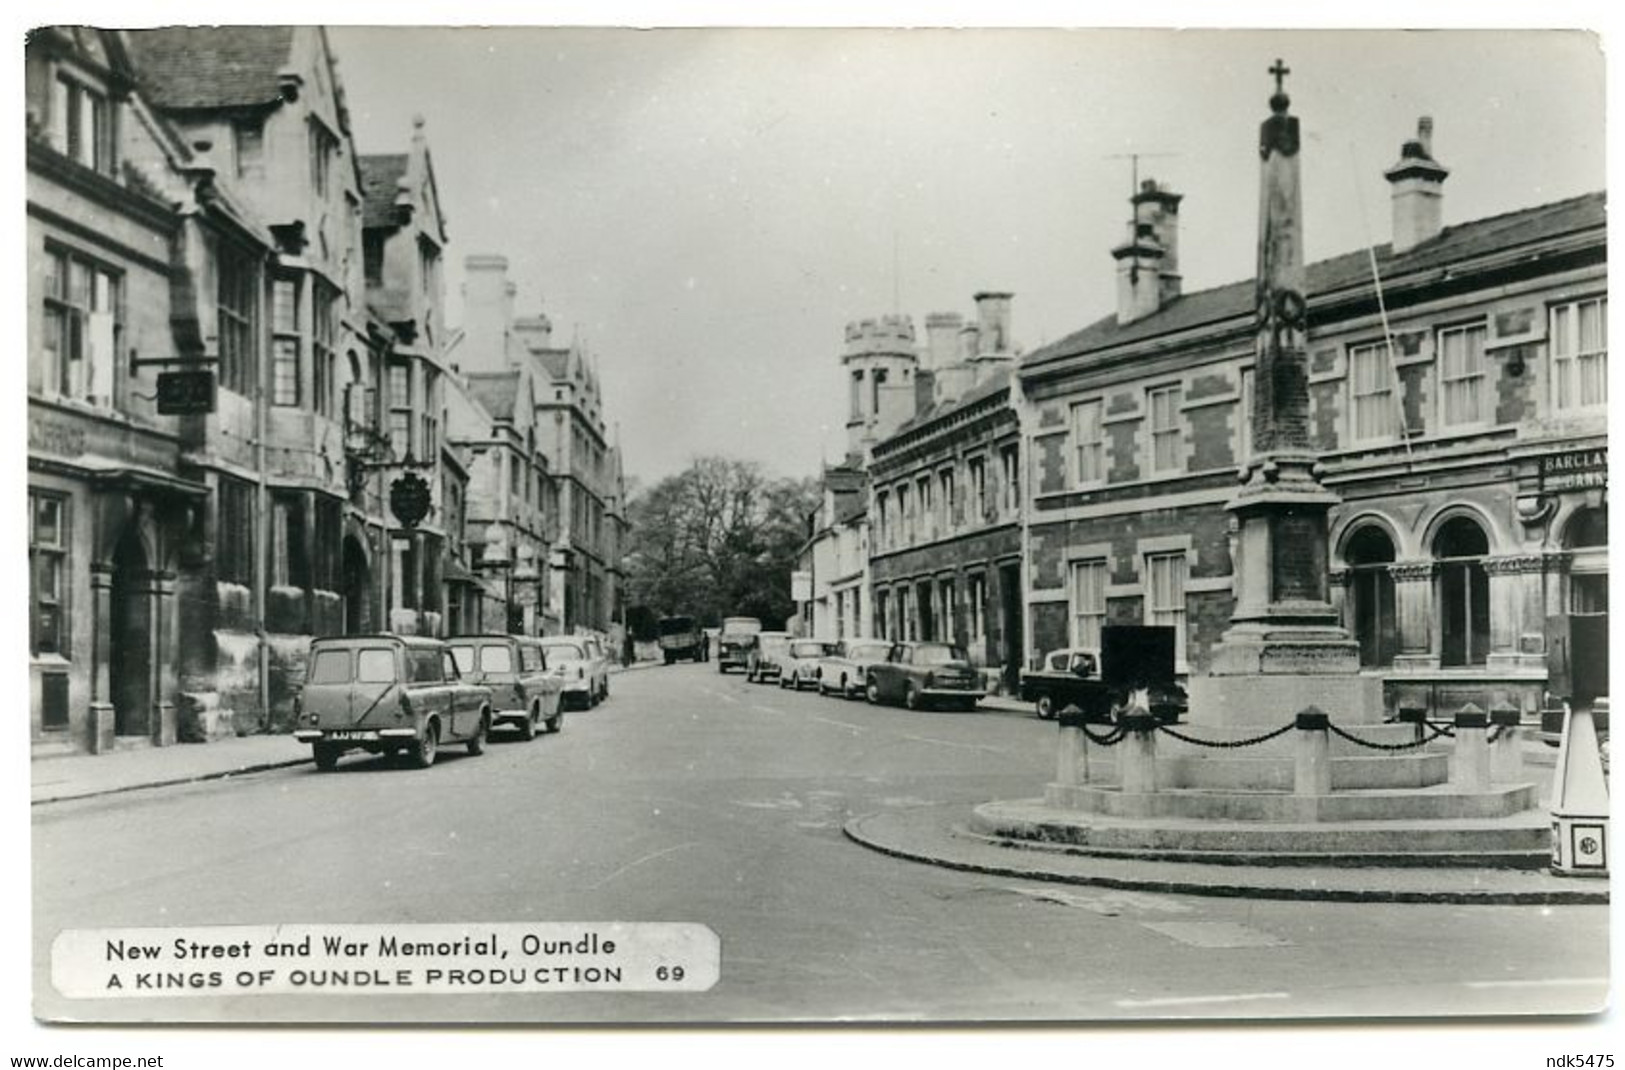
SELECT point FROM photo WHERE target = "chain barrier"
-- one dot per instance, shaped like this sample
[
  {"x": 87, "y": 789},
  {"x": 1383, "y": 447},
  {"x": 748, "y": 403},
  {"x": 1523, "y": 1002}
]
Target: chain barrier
[
  {"x": 1441, "y": 728},
  {"x": 1357, "y": 741},
  {"x": 1499, "y": 730},
  {"x": 1228, "y": 744},
  {"x": 1110, "y": 739}
]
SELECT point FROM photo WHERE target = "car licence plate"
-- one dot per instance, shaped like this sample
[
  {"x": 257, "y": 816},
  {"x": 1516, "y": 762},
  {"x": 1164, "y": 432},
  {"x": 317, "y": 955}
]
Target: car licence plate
[{"x": 351, "y": 734}]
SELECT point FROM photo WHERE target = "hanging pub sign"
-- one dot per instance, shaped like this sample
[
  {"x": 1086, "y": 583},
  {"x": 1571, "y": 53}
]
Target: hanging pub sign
[
  {"x": 1574, "y": 470},
  {"x": 188, "y": 393},
  {"x": 409, "y": 499}
]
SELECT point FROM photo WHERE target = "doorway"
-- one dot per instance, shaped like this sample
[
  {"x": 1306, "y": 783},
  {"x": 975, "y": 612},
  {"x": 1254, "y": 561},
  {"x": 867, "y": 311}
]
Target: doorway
[
  {"x": 1011, "y": 631},
  {"x": 1588, "y": 606},
  {"x": 356, "y": 583},
  {"x": 130, "y": 639}
]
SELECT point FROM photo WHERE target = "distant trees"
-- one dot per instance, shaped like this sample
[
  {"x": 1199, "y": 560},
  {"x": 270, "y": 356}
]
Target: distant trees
[{"x": 718, "y": 540}]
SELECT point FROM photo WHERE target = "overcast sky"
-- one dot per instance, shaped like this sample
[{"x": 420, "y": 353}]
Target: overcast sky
[{"x": 708, "y": 208}]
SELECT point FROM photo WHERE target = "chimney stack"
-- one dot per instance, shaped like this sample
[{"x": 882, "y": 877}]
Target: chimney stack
[
  {"x": 487, "y": 312},
  {"x": 1418, "y": 190},
  {"x": 993, "y": 324},
  {"x": 941, "y": 338},
  {"x": 1148, "y": 260}
]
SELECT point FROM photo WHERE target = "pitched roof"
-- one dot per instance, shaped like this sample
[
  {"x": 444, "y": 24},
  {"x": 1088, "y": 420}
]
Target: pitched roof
[
  {"x": 380, "y": 185},
  {"x": 556, "y": 361},
  {"x": 496, "y": 392},
  {"x": 1451, "y": 246},
  {"x": 211, "y": 66},
  {"x": 997, "y": 381}
]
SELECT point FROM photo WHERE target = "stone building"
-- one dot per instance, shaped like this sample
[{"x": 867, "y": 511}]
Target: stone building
[
  {"x": 835, "y": 558},
  {"x": 945, "y": 500},
  {"x": 1457, "y": 403},
  {"x": 584, "y": 580}
]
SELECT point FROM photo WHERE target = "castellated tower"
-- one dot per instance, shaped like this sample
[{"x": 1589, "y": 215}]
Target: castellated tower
[{"x": 881, "y": 363}]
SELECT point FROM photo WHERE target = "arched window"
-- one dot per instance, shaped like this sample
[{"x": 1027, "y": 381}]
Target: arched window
[
  {"x": 1587, "y": 539},
  {"x": 1369, "y": 553},
  {"x": 1463, "y": 593}
]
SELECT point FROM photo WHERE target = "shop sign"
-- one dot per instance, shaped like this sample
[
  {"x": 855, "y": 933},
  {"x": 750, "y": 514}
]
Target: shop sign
[
  {"x": 1574, "y": 469},
  {"x": 188, "y": 393}
]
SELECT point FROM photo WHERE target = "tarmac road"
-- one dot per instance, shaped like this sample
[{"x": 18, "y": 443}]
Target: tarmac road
[{"x": 694, "y": 796}]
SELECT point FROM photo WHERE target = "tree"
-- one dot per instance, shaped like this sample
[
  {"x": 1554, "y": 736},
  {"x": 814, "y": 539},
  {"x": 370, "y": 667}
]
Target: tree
[{"x": 717, "y": 540}]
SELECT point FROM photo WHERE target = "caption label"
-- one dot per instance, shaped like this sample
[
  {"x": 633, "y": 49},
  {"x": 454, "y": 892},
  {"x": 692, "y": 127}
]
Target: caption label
[{"x": 234, "y": 960}]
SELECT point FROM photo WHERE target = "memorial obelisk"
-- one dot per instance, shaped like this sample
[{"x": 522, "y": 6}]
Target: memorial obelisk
[{"x": 1284, "y": 649}]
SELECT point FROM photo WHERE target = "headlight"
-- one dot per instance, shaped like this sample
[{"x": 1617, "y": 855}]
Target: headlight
[{"x": 930, "y": 680}]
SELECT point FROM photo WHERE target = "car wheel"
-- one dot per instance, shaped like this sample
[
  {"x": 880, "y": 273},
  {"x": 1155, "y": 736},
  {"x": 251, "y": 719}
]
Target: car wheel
[
  {"x": 871, "y": 690},
  {"x": 423, "y": 749},
  {"x": 327, "y": 756},
  {"x": 477, "y": 744},
  {"x": 1046, "y": 708},
  {"x": 911, "y": 698},
  {"x": 555, "y": 723},
  {"x": 527, "y": 727}
]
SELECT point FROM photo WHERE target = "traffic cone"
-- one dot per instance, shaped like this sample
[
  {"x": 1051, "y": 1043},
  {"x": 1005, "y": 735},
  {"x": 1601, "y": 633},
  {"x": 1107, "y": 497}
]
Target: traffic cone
[{"x": 1579, "y": 801}]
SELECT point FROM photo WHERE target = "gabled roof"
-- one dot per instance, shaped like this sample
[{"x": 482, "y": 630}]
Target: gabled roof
[
  {"x": 1453, "y": 245},
  {"x": 181, "y": 67},
  {"x": 380, "y": 185},
  {"x": 496, "y": 392},
  {"x": 556, "y": 361}
]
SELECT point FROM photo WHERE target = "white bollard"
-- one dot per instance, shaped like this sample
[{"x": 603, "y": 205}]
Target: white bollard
[
  {"x": 1071, "y": 761},
  {"x": 1139, "y": 760},
  {"x": 1312, "y": 760},
  {"x": 1506, "y": 749},
  {"x": 1470, "y": 762}
]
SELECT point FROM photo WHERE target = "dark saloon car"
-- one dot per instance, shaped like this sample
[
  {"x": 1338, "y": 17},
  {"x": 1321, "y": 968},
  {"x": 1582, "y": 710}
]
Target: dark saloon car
[
  {"x": 922, "y": 674},
  {"x": 736, "y": 642},
  {"x": 387, "y": 694}
]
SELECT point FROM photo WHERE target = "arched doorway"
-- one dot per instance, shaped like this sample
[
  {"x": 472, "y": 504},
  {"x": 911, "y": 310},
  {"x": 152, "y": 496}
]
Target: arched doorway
[
  {"x": 1369, "y": 552},
  {"x": 129, "y": 678},
  {"x": 1463, "y": 593},
  {"x": 1586, "y": 537},
  {"x": 356, "y": 582}
]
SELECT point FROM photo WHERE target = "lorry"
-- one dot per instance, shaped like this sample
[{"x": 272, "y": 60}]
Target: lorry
[
  {"x": 680, "y": 639},
  {"x": 1100, "y": 682},
  {"x": 736, "y": 641}
]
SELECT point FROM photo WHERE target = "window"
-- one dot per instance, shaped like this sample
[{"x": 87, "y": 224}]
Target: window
[
  {"x": 977, "y": 468},
  {"x": 877, "y": 380},
  {"x": 928, "y": 514},
  {"x": 1088, "y": 602},
  {"x": 400, "y": 408},
  {"x": 323, "y": 146},
  {"x": 236, "y": 307},
  {"x": 1088, "y": 444},
  {"x": 329, "y": 530},
  {"x": 290, "y": 565},
  {"x": 429, "y": 439},
  {"x": 1371, "y": 394},
  {"x": 1463, "y": 593},
  {"x": 1370, "y": 551},
  {"x": 1461, "y": 373},
  {"x": 882, "y": 620},
  {"x": 83, "y": 328},
  {"x": 1167, "y": 435},
  {"x": 330, "y": 667},
  {"x": 905, "y": 516},
  {"x": 234, "y": 531},
  {"x": 496, "y": 659},
  {"x": 1011, "y": 473},
  {"x": 375, "y": 665},
  {"x": 82, "y": 124},
  {"x": 1244, "y": 422},
  {"x": 285, "y": 341},
  {"x": 882, "y": 519},
  {"x": 1579, "y": 348},
  {"x": 248, "y": 143},
  {"x": 949, "y": 504},
  {"x": 323, "y": 356},
  {"x": 1165, "y": 596},
  {"x": 976, "y": 615},
  {"x": 48, "y": 572}
]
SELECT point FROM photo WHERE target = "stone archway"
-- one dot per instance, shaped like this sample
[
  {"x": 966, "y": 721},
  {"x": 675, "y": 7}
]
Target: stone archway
[
  {"x": 130, "y": 638},
  {"x": 355, "y": 580}
]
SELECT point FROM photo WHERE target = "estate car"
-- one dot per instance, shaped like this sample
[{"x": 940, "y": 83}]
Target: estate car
[
  {"x": 387, "y": 694},
  {"x": 524, "y": 694}
]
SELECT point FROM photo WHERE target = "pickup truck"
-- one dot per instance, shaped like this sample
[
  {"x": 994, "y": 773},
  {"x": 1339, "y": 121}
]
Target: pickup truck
[{"x": 1101, "y": 681}]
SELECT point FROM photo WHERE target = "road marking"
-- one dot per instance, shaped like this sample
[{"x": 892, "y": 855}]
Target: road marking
[
  {"x": 1108, "y": 904},
  {"x": 1549, "y": 982},
  {"x": 951, "y": 743},
  {"x": 1179, "y": 1001},
  {"x": 857, "y": 729},
  {"x": 766, "y": 709},
  {"x": 646, "y": 858}
]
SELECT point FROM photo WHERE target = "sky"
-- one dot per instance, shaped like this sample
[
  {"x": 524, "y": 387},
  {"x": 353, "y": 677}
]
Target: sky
[{"x": 705, "y": 209}]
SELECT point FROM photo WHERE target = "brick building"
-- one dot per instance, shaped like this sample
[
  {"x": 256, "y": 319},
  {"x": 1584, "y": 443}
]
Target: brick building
[
  {"x": 945, "y": 510},
  {"x": 1459, "y": 411}
]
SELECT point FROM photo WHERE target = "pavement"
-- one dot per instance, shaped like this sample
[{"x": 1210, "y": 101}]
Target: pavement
[{"x": 59, "y": 778}]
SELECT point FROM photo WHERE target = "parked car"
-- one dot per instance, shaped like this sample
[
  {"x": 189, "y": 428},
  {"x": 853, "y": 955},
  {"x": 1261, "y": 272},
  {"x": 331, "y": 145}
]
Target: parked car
[
  {"x": 579, "y": 666},
  {"x": 387, "y": 694},
  {"x": 735, "y": 642},
  {"x": 525, "y": 694},
  {"x": 1103, "y": 681},
  {"x": 917, "y": 674},
  {"x": 766, "y": 657},
  {"x": 598, "y": 655},
  {"x": 680, "y": 638},
  {"x": 799, "y": 667},
  {"x": 846, "y": 666}
]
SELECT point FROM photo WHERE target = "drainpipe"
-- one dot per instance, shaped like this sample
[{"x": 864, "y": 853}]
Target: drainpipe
[{"x": 262, "y": 529}]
